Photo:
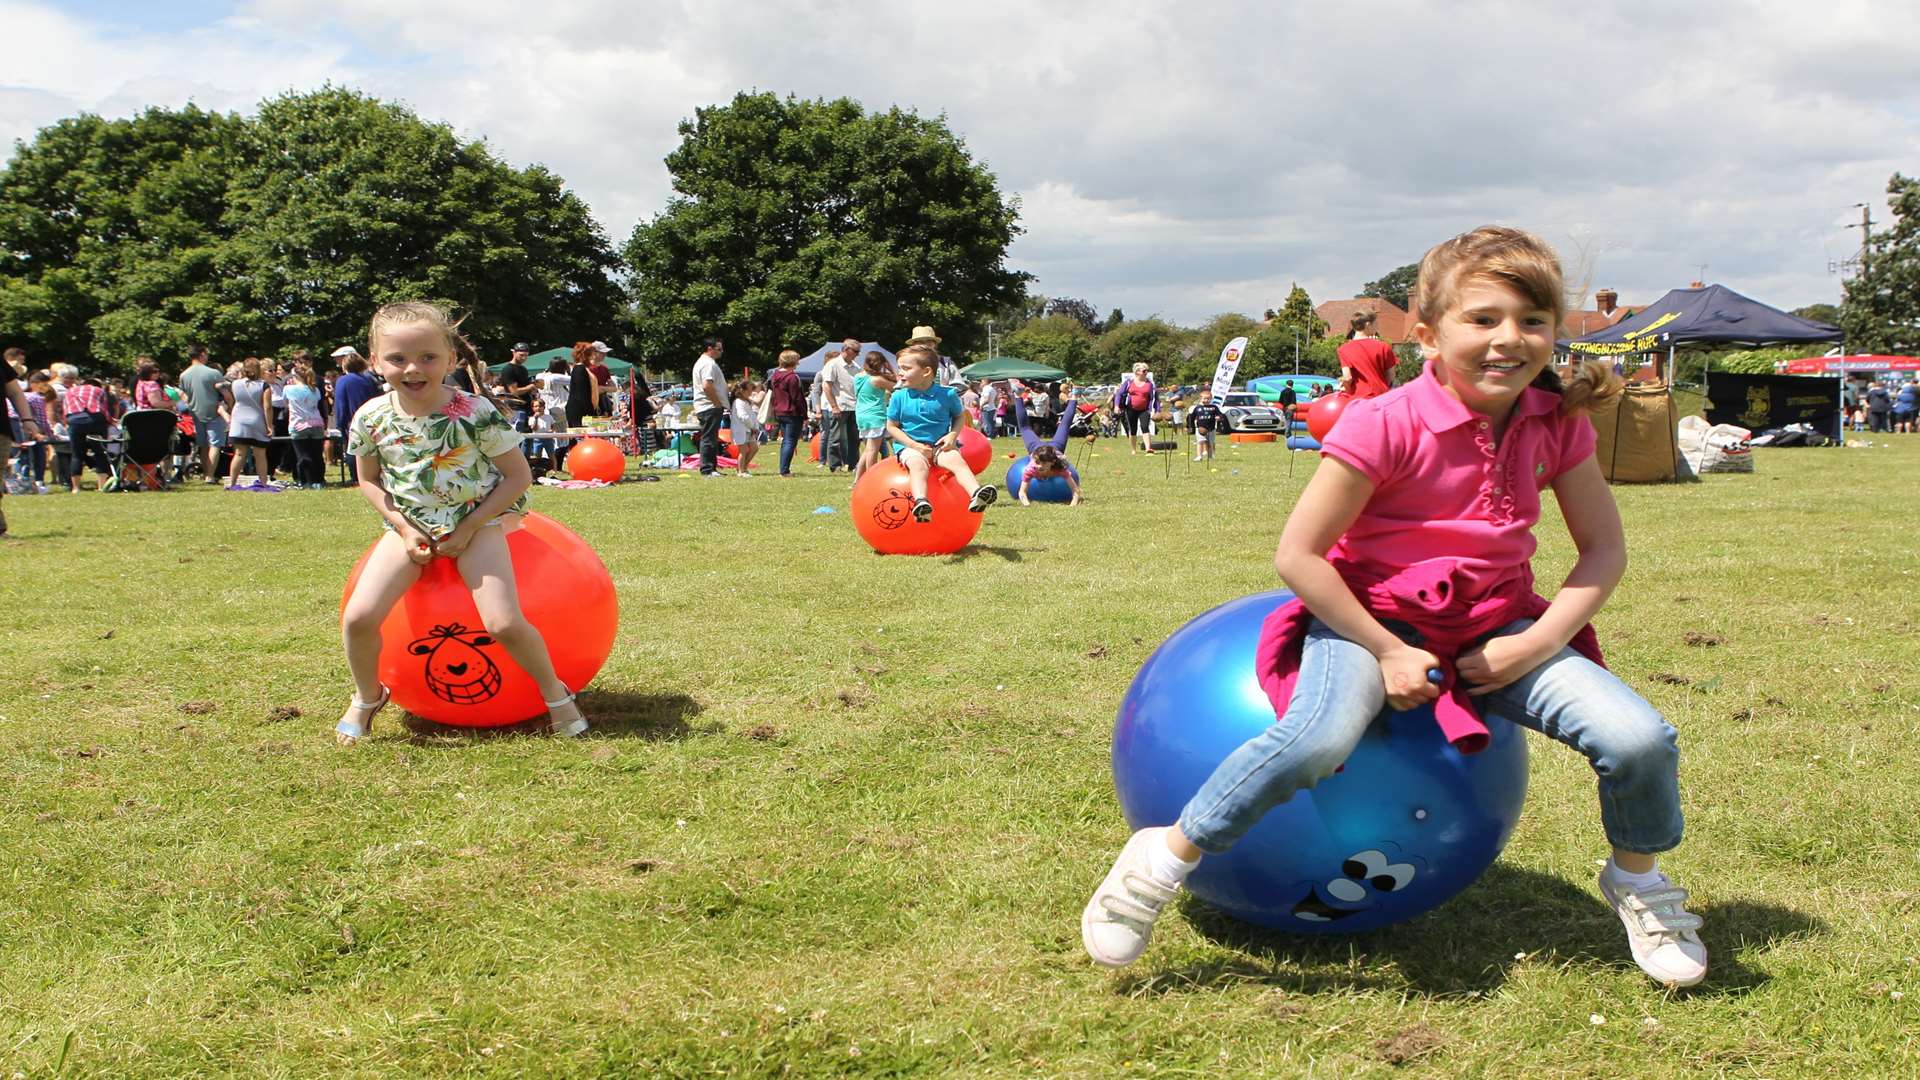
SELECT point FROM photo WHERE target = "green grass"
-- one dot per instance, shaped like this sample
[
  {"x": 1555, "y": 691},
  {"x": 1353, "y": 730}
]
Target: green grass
[{"x": 828, "y": 828}]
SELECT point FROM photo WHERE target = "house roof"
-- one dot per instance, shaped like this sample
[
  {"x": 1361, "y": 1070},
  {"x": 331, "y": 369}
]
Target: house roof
[
  {"x": 1391, "y": 323},
  {"x": 1582, "y": 323}
]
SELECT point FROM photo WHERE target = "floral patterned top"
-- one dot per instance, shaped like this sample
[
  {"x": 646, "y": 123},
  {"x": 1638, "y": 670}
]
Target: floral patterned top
[{"x": 435, "y": 467}]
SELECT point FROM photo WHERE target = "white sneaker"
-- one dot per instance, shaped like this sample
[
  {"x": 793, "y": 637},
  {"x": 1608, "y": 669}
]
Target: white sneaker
[
  {"x": 1663, "y": 934},
  {"x": 1118, "y": 921}
]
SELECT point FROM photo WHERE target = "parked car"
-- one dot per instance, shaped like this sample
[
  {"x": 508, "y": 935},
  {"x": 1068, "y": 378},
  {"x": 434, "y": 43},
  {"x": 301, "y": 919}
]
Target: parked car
[{"x": 1246, "y": 412}]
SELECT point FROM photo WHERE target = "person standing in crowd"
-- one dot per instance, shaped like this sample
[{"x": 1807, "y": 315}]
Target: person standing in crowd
[
  {"x": 353, "y": 390},
  {"x": 584, "y": 391},
  {"x": 602, "y": 376},
  {"x": 556, "y": 388},
  {"x": 710, "y": 405},
  {"x": 87, "y": 414},
  {"x": 1289, "y": 401},
  {"x": 251, "y": 426},
  {"x": 946, "y": 372},
  {"x": 22, "y": 410},
  {"x": 209, "y": 397},
  {"x": 274, "y": 373},
  {"x": 789, "y": 407},
  {"x": 989, "y": 408},
  {"x": 838, "y": 402},
  {"x": 1879, "y": 407},
  {"x": 1906, "y": 403},
  {"x": 1366, "y": 362},
  {"x": 40, "y": 405},
  {"x": 330, "y": 448},
  {"x": 517, "y": 388},
  {"x": 147, "y": 393},
  {"x": 306, "y": 425},
  {"x": 871, "y": 389},
  {"x": 1135, "y": 400},
  {"x": 640, "y": 409}
]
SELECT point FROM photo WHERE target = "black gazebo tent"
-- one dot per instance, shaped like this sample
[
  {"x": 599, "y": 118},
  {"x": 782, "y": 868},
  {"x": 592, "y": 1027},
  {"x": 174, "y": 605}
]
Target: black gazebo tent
[
  {"x": 1715, "y": 315},
  {"x": 1709, "y": 315}
]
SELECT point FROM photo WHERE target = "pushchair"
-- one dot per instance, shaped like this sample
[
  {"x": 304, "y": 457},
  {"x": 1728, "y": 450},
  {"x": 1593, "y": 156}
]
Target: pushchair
[{"x": 144, "y": 442}]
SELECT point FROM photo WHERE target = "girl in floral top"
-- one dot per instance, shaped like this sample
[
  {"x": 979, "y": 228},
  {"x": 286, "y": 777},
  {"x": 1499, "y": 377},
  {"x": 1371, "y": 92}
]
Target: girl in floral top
[{"x": 444, "y": 470}]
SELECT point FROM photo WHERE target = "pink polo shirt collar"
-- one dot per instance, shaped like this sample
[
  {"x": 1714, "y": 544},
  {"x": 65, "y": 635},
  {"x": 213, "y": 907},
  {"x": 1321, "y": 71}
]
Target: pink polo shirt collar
[{"x": 1441, "y": 411}]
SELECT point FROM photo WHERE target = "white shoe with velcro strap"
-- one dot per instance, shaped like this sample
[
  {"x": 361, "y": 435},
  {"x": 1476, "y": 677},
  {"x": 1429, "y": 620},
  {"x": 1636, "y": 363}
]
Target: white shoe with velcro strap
[
  {"x": 1118, "y": 922},
  {"x": 1663, "y": 934}
]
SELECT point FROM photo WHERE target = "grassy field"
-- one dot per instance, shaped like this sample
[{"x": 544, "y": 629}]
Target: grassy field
[{"x": 841, "y": 811}]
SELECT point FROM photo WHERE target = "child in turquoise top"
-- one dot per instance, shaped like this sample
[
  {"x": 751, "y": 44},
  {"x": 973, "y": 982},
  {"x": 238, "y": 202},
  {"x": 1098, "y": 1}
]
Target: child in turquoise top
[
  {"x": 925, "y": 421},
  {"x": 870, "y": 391},
  {"x": 445, "y": 471}
]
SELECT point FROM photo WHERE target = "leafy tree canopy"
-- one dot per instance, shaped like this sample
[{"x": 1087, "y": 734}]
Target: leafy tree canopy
[
  {"x": 1056, "y": 341},
  {"x": 1826, "y": 313},
  {"x": 1152, "y": 341},
  {"x": 1394, "y": 285},
  {"x": 281, "y": 230},
  {"x": 1076, "y": 309},
  {"x": 796, "y": 221},
  {"x": 1881, "y": 309}
]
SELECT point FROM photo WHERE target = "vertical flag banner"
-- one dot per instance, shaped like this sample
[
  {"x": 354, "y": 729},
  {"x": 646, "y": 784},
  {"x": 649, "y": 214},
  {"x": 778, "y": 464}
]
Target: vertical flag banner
[{"x": 1229, "y": 363}]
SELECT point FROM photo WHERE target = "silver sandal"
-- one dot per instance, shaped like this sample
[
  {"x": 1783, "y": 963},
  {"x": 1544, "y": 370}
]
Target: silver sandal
[
  {"x": 568, "y": 729},
  {"x": 346, "y": 732}
]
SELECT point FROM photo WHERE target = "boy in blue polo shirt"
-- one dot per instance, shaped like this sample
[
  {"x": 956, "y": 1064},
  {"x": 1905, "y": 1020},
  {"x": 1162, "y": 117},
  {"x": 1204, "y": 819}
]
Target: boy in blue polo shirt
[{"x": 925, "y": 422}]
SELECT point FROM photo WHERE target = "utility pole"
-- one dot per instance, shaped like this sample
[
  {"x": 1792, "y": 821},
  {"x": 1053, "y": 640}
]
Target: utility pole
[
  {"x": 1296, "y": 350},
  {"x": 989, "y": 339},
  {"x": 1866, "y": 232}
]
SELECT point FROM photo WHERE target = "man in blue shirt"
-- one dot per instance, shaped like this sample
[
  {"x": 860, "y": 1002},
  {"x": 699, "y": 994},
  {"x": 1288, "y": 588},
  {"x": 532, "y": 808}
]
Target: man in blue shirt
[
  {"x": 925, "y": 422},
  {"x": 354, "y": 389}
]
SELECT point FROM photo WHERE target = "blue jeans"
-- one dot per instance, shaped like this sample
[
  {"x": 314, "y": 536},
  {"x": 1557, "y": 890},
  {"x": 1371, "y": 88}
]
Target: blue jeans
[
  {"x": 1633, "y": 750},
  {"x": 988, "y": 426},
  {"x": 790, "y": 429}
]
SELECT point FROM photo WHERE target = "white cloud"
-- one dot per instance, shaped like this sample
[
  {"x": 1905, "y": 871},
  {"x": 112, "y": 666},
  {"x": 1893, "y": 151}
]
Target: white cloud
[{"x": 1182, "y": 160}]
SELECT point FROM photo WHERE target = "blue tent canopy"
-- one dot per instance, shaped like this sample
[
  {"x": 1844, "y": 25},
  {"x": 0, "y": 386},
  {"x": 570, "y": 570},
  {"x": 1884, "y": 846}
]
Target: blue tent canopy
[
  {"x": 1709, "y": 315},
  {"x": 811, "y": 363}
]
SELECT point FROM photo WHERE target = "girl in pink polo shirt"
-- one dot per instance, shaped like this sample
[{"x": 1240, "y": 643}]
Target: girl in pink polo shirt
[{"x": 1410, "y": 554}]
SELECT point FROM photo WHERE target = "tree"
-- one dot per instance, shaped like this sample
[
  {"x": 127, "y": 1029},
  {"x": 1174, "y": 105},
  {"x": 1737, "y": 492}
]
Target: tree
[
  {"x": 1207, "y": 343},
  {"x": 1394, "y": 285},
  {"x": 1056, "y": 341},
  {"x": 1151, "y": 341},
  {"x": 1115, "y": 319},
  {"x": 1076, "y": 309},
  {"x": 1880, "y": 312},
  {"x": 286, "y": 229},
  {"x": 347, "y": 202},
  {"x": 796, "y": 221},
  {"x": 1298, "y": 311},
  {"x": 107, "y": 229},
  {"x": 1823, "y": 313}
]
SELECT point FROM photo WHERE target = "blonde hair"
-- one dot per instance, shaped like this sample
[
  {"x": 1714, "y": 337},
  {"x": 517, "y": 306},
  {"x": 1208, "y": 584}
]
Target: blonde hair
[
  {"x": 789, "y": 358},
  {"x": 250, "y": 368},
  {"x": 415, "y": 312},
  {"x": 1524, "y": 263}
]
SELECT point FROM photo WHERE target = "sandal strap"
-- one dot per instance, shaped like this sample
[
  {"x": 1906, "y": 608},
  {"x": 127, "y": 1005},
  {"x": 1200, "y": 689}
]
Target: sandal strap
[{"x": 568, "y": 700}]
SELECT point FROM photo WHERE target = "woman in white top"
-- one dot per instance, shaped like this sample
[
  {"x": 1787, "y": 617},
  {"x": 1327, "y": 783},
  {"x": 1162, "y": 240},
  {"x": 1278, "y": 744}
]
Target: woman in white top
[{"x": 555, "y": 384}]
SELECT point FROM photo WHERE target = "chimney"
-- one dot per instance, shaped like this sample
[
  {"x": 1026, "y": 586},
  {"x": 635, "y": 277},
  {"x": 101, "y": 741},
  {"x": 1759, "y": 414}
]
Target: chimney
[{"x": 1606, "y": 300}]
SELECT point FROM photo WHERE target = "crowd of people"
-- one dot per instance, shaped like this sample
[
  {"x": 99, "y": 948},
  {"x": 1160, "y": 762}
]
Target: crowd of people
[{"x": 1886, "y": 408}]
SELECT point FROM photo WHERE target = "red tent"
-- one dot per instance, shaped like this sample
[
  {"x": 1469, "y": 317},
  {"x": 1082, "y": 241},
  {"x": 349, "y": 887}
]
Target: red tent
[{"x": 1835, "y": 365}]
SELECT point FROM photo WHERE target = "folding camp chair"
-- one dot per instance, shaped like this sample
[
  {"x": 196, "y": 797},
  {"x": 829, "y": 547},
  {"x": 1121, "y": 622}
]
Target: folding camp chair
[{"x": 145, "y": 440}]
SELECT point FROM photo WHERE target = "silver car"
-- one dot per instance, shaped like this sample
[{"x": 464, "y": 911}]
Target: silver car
[{"x": 1246, "y": 412}]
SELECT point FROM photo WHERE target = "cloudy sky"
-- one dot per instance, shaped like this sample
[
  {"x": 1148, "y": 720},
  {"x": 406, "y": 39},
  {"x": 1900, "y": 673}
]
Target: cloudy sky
[{"x": 1173, "y": 158}]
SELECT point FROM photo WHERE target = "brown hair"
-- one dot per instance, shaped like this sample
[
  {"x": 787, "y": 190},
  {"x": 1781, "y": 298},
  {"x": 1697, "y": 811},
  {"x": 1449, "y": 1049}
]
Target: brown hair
[
  {"x": 1524, "y": 263},
  {"x": 1359, "y": 321},
  {"x": 1046, "y": 455},
  {"x": 250, "y": 368},
  {"x": 421, "y": 311},
  {"x": 303, "y": 371},
  {"x": 876, "y": 363},
  {"x": 148, "y": 370},
  {"x": 926, "y": 354}
]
